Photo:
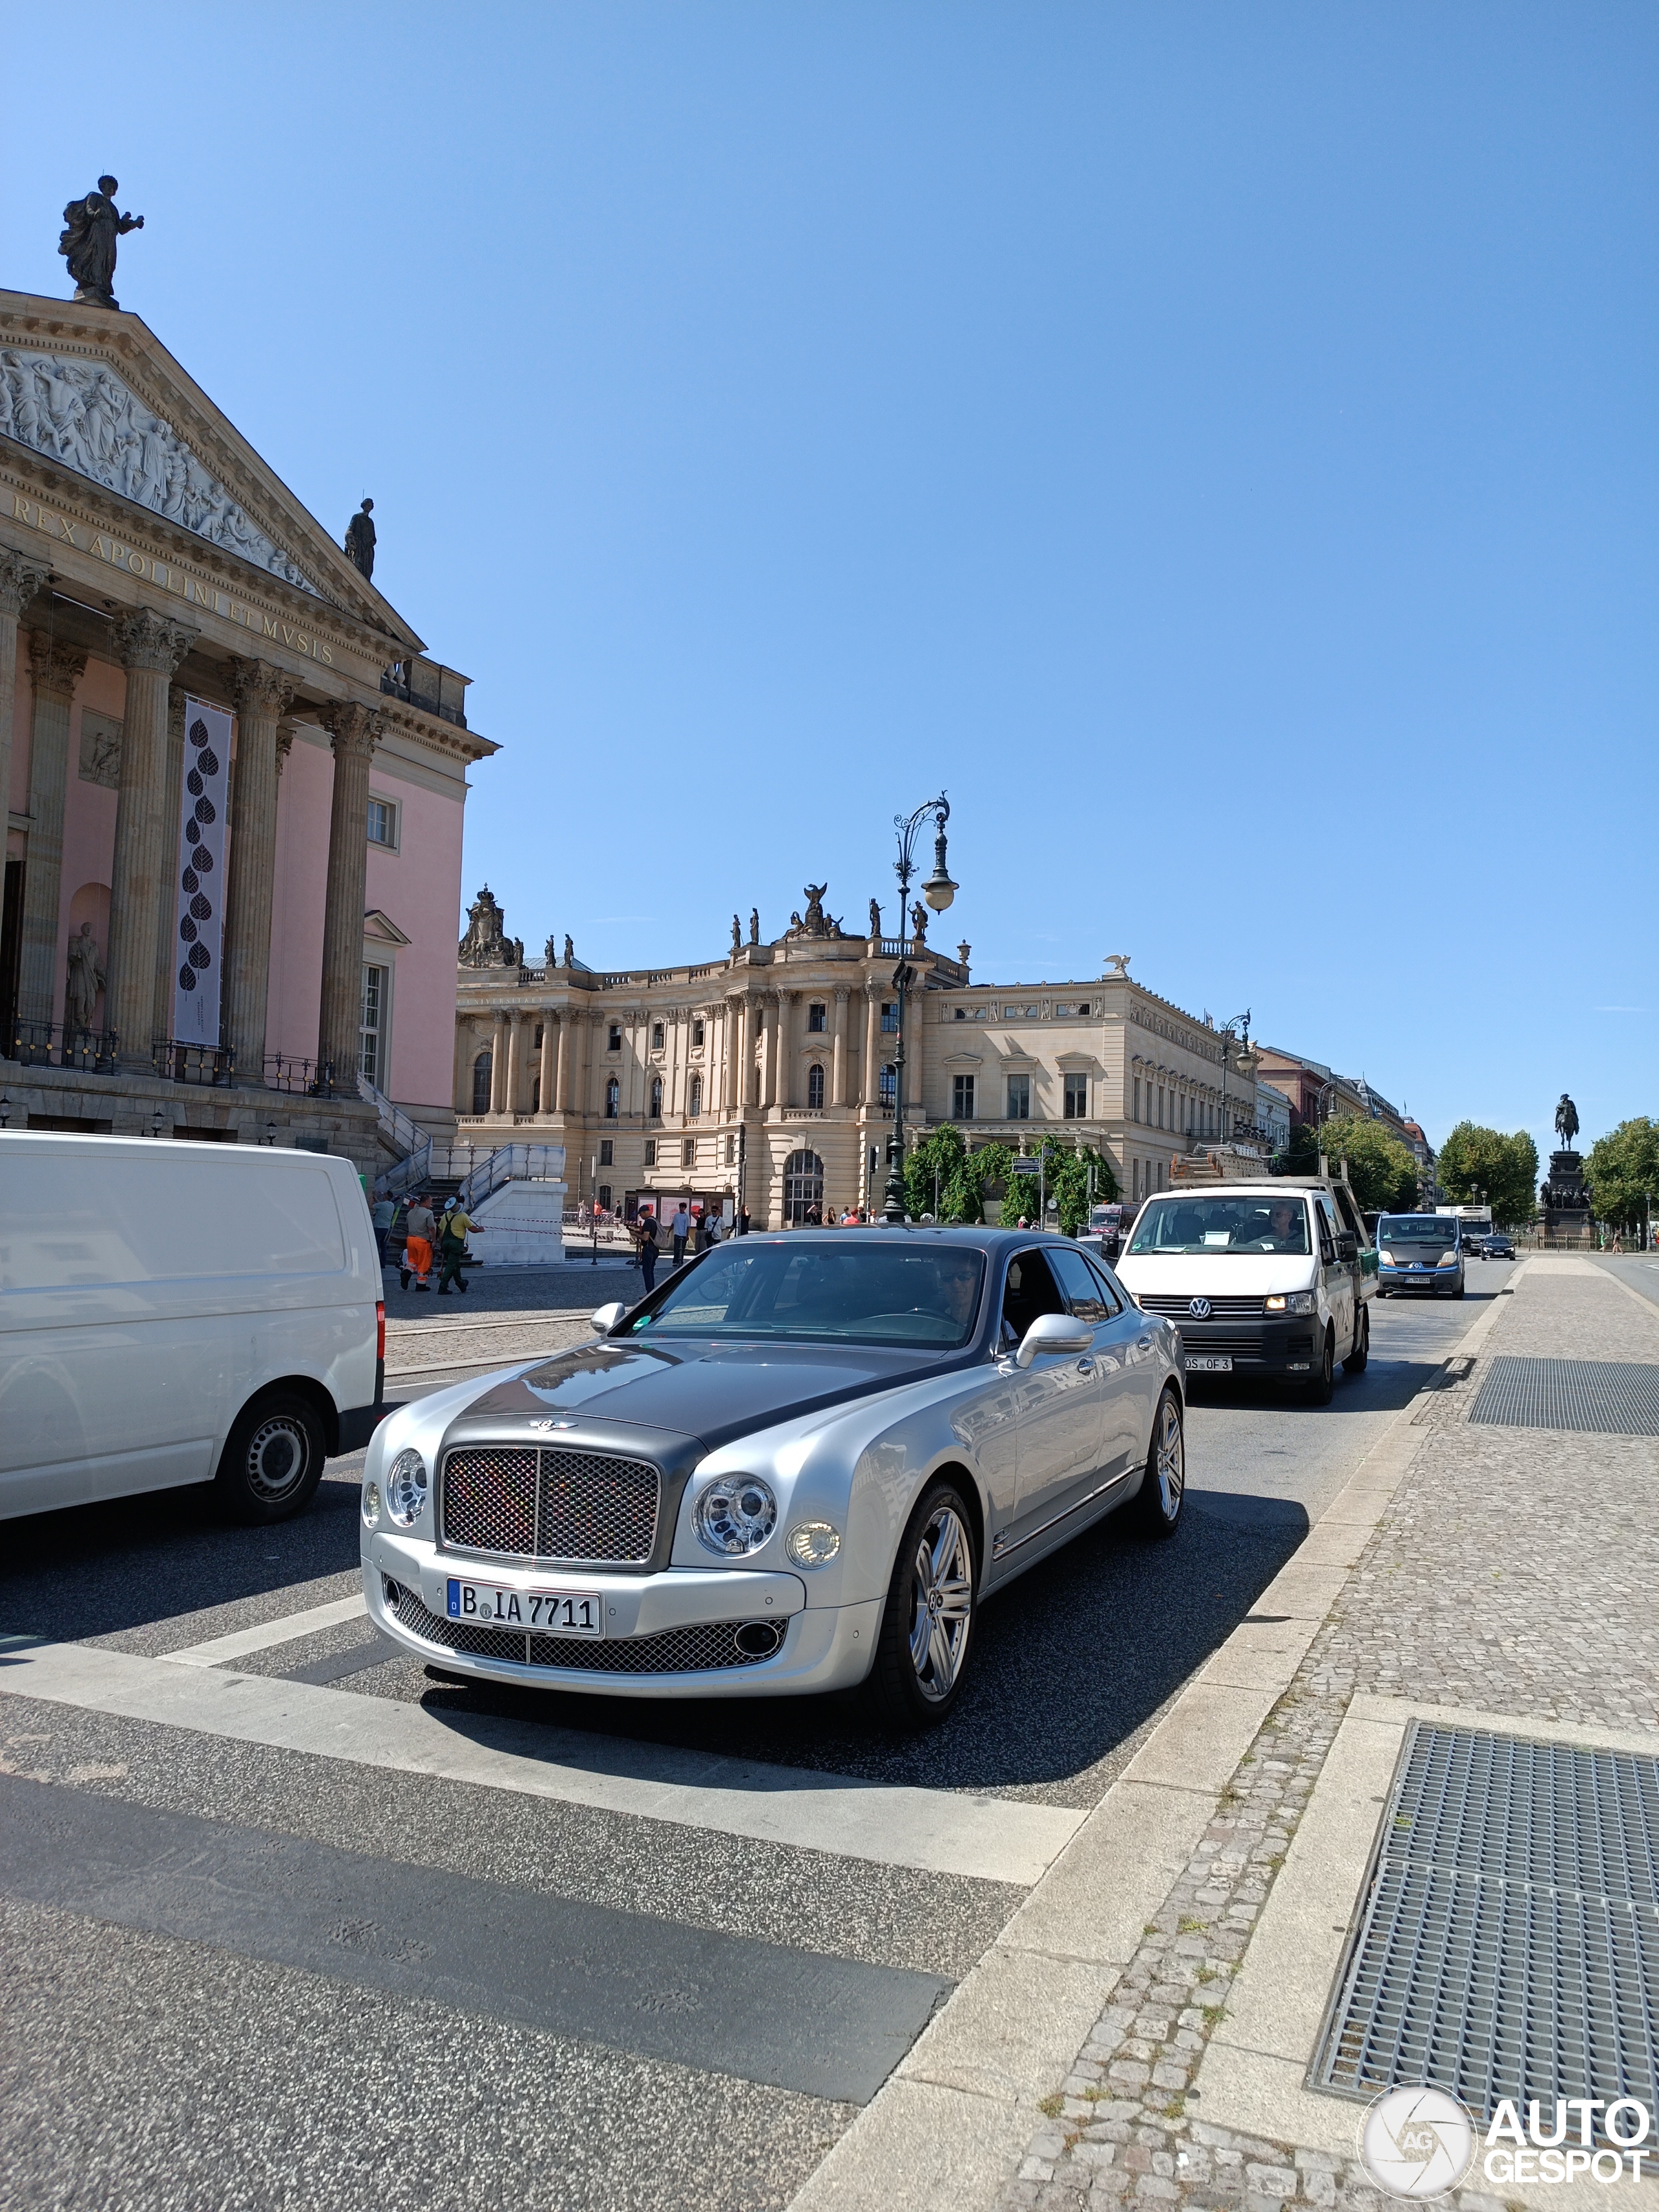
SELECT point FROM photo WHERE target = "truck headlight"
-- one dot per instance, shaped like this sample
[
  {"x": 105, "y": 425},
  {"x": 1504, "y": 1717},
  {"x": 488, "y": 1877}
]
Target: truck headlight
[
  {"x": 1449, "y": 1259},
  {"x": 812, "y": 1543},
  {"x": 735, "y": 1514},
  {"x": 406, "y": 1488},
  {"x": 1291, "y": 1302},
  {"x": 1387, "y": 1260}
]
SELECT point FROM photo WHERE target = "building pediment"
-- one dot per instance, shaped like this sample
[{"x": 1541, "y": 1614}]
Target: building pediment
[
  {"x": 379, "y": 928},
  {"x": 96, "y": 393}
]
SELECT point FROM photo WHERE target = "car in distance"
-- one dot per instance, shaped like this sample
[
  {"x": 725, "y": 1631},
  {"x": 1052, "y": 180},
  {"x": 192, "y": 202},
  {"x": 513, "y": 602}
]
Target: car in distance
[
  {"x": 800, "y": 1465},
  {"x": 178, "y": 1313},
  {"x": 1419, "y": 1252},
  {"x": 1268, "y": 1281},
  {"x": 1498, "y": 1245}
]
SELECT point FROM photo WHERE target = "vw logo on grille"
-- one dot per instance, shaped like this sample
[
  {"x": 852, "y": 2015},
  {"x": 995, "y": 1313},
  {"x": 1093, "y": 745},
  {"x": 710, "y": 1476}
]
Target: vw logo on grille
[{"x": 1199, "y": 1309}]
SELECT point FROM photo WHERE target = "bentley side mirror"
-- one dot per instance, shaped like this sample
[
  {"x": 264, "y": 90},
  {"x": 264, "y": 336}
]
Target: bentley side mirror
[
  {"x": 605, "y": 1318},
  {"x": 1053, "y": 1332}
]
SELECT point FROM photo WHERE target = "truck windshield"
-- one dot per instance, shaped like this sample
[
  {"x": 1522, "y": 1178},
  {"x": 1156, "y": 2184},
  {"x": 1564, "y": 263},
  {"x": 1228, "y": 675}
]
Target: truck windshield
[
  {"x": 865, "y": 1293},
  {"x": 1416, "y": 1229},
  {"x": 1222, "y": 1224}
]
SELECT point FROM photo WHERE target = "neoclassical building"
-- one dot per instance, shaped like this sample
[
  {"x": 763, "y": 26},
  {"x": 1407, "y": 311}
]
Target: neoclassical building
[
  {"x": 235, "y": 780},
  {"x": 767, "y": 1074}
]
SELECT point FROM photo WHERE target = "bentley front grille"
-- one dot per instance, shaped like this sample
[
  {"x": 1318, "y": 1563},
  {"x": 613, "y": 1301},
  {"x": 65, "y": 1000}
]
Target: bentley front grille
[
  {"x": 532, "y": 1504},
  {"x": 707, "y": 1646}
]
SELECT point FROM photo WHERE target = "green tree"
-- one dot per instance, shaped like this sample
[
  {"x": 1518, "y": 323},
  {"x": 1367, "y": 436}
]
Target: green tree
[
  {"x": 1066, "y": 1178},
  {"x": 1381, "y": 1172},
  {"x": 1503, "y": 1169},
  {"x": 1623, "y": 1172},
  {"x": 941, "y": 1155}
]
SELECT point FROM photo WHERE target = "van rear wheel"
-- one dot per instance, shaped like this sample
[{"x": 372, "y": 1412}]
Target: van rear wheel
[{"x": 272, "y": 1461}]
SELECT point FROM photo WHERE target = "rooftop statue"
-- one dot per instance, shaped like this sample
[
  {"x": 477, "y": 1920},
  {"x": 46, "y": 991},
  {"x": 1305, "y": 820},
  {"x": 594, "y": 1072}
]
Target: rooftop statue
[
  {"x": 91, "y": 227},
  {"x": 486, "y": 944},
  {"x": 360, "y": 539}
]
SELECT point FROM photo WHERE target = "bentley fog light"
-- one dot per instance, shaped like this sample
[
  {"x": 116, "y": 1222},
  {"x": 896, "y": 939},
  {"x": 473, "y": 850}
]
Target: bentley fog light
[
  {"x": 371, "y": 1504},
  {"x": 736, "y": 1514},
  {"x": 812, "y": 1543},
  {"x": 406, "y": 1488},
  {"x": 1291, "y": 1302}
]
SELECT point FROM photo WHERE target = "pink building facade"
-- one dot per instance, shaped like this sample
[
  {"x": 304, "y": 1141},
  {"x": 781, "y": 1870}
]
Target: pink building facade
[{"x": 151, "y": 565}]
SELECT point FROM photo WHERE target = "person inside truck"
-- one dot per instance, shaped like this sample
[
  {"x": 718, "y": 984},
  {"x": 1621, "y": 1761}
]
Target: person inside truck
[{"x": 1287, "y": 1227}]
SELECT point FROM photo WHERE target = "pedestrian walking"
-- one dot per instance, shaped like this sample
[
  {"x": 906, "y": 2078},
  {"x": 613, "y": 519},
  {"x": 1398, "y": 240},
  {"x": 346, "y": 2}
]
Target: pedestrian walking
[
  {"x": 680, "y": 1229},
  {"x": 743, "y": 1221},
  {"x": 418, "y": 1251},
  {"x": 380, "y": 1213},
  {"x": 453, "y": 1231},
  {"x": 645, "y": 1245}
]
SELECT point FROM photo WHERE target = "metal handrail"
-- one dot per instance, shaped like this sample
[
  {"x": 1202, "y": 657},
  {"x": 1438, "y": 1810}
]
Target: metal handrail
[
  {"x": 512, "y": 1163},
  {"x": 63, "y": 1044}
]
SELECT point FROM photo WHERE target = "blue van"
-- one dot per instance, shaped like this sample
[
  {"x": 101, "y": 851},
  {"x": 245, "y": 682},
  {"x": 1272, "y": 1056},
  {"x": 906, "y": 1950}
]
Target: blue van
[{"x": 1419, "y": 1252}]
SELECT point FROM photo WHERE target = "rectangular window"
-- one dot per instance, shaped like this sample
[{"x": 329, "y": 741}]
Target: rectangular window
[
  {"x": 887, "y": 1085},
  {"x": 688, "y": 1152},
  {"x": 372, "y": 1037},
  {"x": 656, "y": 1037},
  {"x": 613, "y": 1037},
  {"x": 1137, "y": 1112},
  {"x": 650, "y": 1152},
  {"x": 696, "y": 1032},
  {"x": 607, "y": 1153},
  {"x": 731, "y": 1152},
  {"x": 890, "y": 1018},
  {"x": 961, "y": 1097},
  {"x": 1077, "y": 1098},
  {"x": 1019, "y": 1098},
  {"x": 817, "y": 1021},
  {"x": 383, "y": 824},
  {"x": 604, "y": 1197}
]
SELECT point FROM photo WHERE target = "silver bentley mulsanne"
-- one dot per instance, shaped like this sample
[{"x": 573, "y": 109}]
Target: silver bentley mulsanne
[{"x": 800, "y": 1465}]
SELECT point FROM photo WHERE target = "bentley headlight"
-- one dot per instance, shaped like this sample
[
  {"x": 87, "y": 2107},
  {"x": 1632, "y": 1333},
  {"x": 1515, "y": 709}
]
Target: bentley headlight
[
  {"x": 812, "y": 1543},
  {"x": 406, "y": 1488},
  {"x": 736, "y": 1514},
  {"x": 371, "y": 1504}
]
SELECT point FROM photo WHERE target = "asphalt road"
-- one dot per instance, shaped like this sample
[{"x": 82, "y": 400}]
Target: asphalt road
[{"x": 307, "y": 1925}]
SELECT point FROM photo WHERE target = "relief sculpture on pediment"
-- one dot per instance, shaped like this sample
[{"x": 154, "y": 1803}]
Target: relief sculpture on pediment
[{"x": 81, "y": 414}]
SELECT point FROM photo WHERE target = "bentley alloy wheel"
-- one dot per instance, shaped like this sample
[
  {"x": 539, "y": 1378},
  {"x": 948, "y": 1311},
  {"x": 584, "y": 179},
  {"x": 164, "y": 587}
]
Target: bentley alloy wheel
[{"x": 922, "y": 1651}]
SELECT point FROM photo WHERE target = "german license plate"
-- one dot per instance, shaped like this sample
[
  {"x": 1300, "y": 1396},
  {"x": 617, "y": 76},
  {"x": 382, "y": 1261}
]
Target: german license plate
[
  {"x": 553, "y": 1612},
  {"x": 1209, "y": 1363}
]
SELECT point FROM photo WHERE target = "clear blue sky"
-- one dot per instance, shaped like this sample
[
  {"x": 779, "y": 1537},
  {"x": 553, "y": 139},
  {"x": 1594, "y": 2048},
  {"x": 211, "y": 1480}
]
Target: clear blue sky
[{"x": 1217, "y": 443}]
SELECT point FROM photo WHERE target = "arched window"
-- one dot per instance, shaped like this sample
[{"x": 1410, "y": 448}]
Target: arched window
[
  {"x": 656, "y": 1099},
  {"x": 803, "y": 1185},
  {"x": 481, "y": 1068},
  {"x": 887, "y": 1086},
  {"x": 815, "y": 1086},
  {"x": 694, "y": 1098},
  {"x": 612, "y": 1099}
]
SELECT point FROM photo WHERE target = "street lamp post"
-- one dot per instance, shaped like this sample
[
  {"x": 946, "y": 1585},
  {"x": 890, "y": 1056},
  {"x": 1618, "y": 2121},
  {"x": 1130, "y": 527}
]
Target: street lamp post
[{"x": 938, "y": 891}]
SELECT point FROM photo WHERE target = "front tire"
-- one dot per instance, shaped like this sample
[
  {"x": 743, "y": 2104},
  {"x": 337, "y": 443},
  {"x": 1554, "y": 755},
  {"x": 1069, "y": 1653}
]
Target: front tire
[
  {"x": 272, "y": 1461},
  {"x": 1157, "y": 1508},
  {"x": 1356, "y": 1362},
  {"x": 927, "y": 1626},
  {"x": 1320, "y": 1392}
]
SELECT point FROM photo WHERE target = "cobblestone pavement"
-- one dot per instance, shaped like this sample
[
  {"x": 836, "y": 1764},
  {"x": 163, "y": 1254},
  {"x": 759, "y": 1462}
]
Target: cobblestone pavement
[{"x": 1512, "y": 1573}]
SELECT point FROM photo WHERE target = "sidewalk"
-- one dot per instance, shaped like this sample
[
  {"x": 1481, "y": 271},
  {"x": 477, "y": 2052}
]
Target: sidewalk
[{"x": 1145, "y": 2028}]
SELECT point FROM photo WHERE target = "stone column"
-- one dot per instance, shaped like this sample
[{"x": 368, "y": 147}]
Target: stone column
[
  {"x": 56, "y": 669},
  {"x": 568, "y": 1042},
  {"x": 498, "y": 1052},
  {"x": 149, "y": 647},
  {"x": 461, "y": 1097},
  {"x": 513, "y": 1090},
  {"x": 261, "y": 695},
  {"x": 737, "y": 1054},
  {"x": 870, "y": 1086},
  {"x": 784, "y": 1084},
  {"x": 915, "y": 1065},
  {"x": 160, "y": 1020},
  {"x": 767, "y": 1012},
  {"x": 552, "y": 1033},
  {"x": 355, "y": 732},
  {"x": 838, "y": 1048},
  {"x": 20, "y": 579}
]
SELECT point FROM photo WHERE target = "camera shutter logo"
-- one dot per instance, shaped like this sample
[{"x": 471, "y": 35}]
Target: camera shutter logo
[
  {"x": 1417, "y": 2143},
  {"x": 1199, "y": 1309}
]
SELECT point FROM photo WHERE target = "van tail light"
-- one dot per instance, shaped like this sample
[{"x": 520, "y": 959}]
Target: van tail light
[{"x": 380, "y": 1330}]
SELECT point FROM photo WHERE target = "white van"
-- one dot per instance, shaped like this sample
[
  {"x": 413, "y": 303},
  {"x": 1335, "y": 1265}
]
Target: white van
[
  {"x": 174, "y": 1313},
  {"x": 1270, "y": 1280}
]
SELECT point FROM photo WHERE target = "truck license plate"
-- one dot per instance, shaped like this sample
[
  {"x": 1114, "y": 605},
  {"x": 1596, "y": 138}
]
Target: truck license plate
[
  {"x": 553, "y": 1612},
  {"x": 1209, "y": 1363}
]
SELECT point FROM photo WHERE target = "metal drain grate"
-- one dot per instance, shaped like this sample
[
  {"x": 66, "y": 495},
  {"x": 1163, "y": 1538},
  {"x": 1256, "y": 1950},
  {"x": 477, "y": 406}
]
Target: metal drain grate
[
  {"x": 1614, "y": 1397},
  {"x": 1509, "y": 1941}
]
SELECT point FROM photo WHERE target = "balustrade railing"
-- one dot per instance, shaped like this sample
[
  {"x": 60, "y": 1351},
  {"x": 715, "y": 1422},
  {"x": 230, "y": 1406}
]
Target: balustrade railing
[
  {"x": 212, "y": 1066},
  {"x": 313, "y": 1078},
  {"x": 59, "y": 1044}
]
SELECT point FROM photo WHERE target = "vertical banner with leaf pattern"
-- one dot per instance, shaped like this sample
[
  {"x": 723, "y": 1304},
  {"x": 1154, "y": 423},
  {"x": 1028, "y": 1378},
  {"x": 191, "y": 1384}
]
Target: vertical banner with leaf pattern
[{"x": 198, "y": 928}]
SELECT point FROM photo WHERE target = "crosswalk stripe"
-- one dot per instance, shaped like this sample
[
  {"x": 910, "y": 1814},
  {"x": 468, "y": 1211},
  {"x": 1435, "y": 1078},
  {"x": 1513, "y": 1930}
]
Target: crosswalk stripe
[
  {"x": 939, "y": 1831},
  {"x": 268, "y": 1633}
]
